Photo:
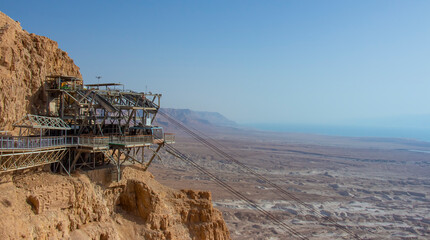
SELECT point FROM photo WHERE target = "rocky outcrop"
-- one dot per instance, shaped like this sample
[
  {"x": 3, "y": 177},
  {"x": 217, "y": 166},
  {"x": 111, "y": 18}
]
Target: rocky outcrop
[
  {"x": 185, "y": 214},
  {"x": 41, "y": 205},
  {"x": 25, "y": 61},
  {"x": 36, "y": 204}
]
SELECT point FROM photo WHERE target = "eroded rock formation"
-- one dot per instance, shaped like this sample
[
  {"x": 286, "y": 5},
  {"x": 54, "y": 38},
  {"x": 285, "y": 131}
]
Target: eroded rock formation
[
  {"x": 41, "y": 205},
  {"x": 25, "y": 61},
  {"x": 36, "y": 204}
]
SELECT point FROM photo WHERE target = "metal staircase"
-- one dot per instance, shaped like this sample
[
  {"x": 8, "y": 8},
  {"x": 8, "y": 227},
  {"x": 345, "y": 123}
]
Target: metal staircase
[{"x": 92, "y": 96}]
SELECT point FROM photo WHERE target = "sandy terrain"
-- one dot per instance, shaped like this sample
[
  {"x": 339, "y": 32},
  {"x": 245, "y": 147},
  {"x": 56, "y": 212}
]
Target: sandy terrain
[{"x": 377, "y": 188}]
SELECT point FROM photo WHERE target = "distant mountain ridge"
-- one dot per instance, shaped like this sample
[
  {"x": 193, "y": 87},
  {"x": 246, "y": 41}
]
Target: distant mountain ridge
[{"x": 197, "y": 118}]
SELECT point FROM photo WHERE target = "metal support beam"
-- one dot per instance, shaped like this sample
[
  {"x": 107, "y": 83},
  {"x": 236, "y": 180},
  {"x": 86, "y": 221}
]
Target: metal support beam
[
  {"x": 153, "y": 156},
  {"x": 78, "y": 154}
]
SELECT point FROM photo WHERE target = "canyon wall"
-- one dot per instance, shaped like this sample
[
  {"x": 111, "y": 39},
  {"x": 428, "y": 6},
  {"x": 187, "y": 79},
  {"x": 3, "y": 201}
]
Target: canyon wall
[
  {"x": 37, "y": 204},
  {"x": 42, "y": 205},
  {"x": 25, "y": 61}
]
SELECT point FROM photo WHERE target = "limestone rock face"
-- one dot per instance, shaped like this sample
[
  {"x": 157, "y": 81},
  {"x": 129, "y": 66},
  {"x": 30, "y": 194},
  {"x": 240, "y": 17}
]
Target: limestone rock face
[
  {"x": 42, "y": 205},
  {"x": 186, "y": 214},
  {"x": 25, "y": 61}
]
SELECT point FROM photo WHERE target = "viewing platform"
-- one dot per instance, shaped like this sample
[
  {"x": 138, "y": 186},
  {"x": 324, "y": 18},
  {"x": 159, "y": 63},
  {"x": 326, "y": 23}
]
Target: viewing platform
[
  {"x": 18, "y": 152},
  {"x": 11, "y": 144}
]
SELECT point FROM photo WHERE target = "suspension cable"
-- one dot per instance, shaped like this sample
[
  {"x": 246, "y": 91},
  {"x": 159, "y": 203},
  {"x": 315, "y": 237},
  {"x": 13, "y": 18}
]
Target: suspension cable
[
  {"x": 259, "y": 176},
  {"x": 242, "y": 197}
]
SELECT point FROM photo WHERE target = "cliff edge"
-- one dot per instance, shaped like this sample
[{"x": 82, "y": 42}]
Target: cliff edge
[
  {"x": 42, "y": 205},
  {"x": 25, "y": 61},
  {"x": 36, "y": 204}
]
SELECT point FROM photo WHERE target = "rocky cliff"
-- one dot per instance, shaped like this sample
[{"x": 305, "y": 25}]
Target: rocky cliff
[
  {"x": 36, "y": 204},
  {"x": 25, "y": 61},
  {"x": 41, "y": 205}
]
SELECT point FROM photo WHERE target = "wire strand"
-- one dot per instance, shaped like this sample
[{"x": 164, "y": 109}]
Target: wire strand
[
  {"x": 259, "y": 176},
  {"x": 226, "y": 186}
]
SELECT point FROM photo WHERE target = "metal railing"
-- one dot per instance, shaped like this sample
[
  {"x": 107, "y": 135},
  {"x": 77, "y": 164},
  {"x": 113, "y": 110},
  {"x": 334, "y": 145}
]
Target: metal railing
[
  {"x": 93, "y": 141},
  {"x": 17, "y": 142},
  {"x": 169, "y": 137},
  {"x": 14, "y": 142},
  {"x": 146, "y": 139}
]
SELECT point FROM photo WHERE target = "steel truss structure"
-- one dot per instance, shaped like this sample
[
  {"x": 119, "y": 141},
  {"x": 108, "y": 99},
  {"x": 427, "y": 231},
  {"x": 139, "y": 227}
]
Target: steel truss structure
[
  {"x": 85, "y": 127},
  {"x": 28, "y": 159},
  {"x": 43, "y": 122},
  {"x": 99, "y": 111}
]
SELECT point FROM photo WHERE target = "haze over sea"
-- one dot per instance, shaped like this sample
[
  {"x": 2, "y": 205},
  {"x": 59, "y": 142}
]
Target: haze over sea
[{"x": 422, "y": 134}]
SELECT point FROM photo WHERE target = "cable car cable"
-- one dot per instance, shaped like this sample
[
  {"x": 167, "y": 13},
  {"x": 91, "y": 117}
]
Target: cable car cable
[
  {"x": 259, "y": 176},
  {"x": 226, "y": 186}
]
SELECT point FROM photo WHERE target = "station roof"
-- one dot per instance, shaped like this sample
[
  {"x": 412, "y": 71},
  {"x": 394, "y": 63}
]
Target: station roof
[
  {"x": 67, "y": 78},
  {"x": 41, "y": 122},
  {"x": 146, "y": 127},
  {"x": 103, "y": 84}
]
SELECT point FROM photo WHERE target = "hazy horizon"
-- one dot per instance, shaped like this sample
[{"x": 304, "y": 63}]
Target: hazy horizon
[
  {"x": 287, "y": 62},
  {"x": 421, "y": 134},
  {"x": 406, "y": 127}
]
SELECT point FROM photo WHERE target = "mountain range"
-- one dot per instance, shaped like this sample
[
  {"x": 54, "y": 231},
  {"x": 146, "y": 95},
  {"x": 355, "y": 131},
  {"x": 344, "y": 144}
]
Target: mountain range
[{"x": 196, "y": 119}]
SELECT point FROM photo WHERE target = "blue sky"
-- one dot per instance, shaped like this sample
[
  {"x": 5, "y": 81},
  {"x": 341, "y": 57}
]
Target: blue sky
[{"x": 308, "y": 62}]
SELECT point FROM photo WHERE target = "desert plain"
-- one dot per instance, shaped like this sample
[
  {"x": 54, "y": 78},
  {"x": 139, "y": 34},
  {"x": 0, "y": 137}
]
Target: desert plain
[{"x": 377, "y": 188}]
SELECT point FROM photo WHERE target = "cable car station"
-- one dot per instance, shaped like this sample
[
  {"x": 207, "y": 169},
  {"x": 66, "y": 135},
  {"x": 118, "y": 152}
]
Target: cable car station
[{"x": 86, "y": 127}]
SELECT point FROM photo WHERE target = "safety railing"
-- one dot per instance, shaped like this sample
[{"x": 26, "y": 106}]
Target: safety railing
[
  {"x": 69, "y": 86},
  {"x": 169, "y": 138},
  {"x": 144, "y": 139},
  {"x": 15, "y": 142},
  {"x": 93, "y": 141}
]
